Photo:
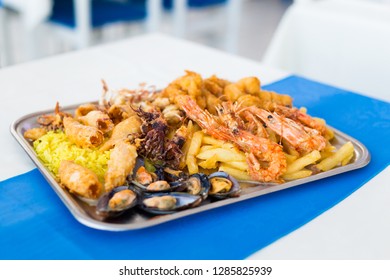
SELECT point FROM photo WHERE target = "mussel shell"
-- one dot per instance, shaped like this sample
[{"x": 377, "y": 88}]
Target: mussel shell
[
  {"x": 234, "y": 190},
  {"x": 204, "y": 184},
  {"x": 172, "y": 175},
  {"x": 183, "y": 201},
  {"x": 145, "y": 189},
  {"x": 103, "y": 208}
]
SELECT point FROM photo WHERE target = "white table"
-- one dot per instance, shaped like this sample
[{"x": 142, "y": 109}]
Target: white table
[{"x": 357, "y": 228}]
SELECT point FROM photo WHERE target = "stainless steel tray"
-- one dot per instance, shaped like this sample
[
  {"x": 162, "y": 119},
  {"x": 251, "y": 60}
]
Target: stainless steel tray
[{"x": 137, "y": 219}]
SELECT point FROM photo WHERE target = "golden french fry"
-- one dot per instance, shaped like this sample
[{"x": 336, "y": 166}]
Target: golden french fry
[
  {"x": 301, "y": 162},
  {"x": 328, "y": 151},
  {"x": 210, "y": 163},
  {"x": 345, "y": 151},
  {"x": 290, "y": 158},
  {"x": 196, "y": 142},
  {"x": 223, "y": 155},
  {"x": 192, "y": 164},
  {"x": 229, "y": 146},
  {"x": 240, "y": 165},
  {"x": 236, "y": 173},
  {"x": 346, "y": 160},
  {"x": 208, "y": 140},
  {"x": 297, "y": 175},
  {"x": 205, "y": 148},
  {"x": 186, "y": 146}
]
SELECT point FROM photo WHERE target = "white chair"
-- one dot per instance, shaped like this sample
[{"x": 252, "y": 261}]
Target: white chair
[
  {"x": 231, "y": 13},
  {"x": 341, "y": 42},
  {"x": 31, "y": 14}
]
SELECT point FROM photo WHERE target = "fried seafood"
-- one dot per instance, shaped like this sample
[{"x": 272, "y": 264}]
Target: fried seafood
[
  {"x": 173, "y": 147},
  {"x": 84, "y": 109},
  {"x": 79, "y": 180},
  {"x": 249, "y": 85},
  {"x": 247, "y": 92},
  {"x": 151, "y": 143},
  {"x": 215, "y": 85},
  {"x": 127, "y": 129},
  {"x": 120, "y": 165},
  {"x": 303, "y": 138},
  {"x": 120, "y": 112},
  {"x": 53, "y": 122},
  {"x": 34, "y": 133},
  {"x": 125, "y": 96},
  {"x": 266, "y": 159},
  {"x": 194, "y": 125},
  {"x": 172, "y": 114},
  {"x": 189, "y": 84},
  {"x": 97, "y": 119},
  {"x": 297, "y": 115},
  {"x": 82, "y": 135}
]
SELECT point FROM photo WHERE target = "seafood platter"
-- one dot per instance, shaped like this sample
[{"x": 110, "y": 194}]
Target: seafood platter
[{"x": 140, "y": 157}]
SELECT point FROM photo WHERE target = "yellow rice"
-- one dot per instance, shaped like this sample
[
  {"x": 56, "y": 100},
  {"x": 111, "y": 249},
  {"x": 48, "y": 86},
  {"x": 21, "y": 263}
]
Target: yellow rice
[{"x": 53, "y": 147}]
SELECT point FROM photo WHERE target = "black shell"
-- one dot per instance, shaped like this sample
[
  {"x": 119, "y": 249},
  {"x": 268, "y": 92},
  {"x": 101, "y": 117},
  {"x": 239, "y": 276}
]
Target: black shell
[
  {"x": 103, "y": 208},
  {"x": 183, "y": 201},
  {"x": 233, "y": 192},
  {"x": 142, "y": 188}
]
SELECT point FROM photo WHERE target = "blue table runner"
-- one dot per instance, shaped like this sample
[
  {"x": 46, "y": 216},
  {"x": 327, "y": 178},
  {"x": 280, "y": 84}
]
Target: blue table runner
[{"x": 34, "y": 223}]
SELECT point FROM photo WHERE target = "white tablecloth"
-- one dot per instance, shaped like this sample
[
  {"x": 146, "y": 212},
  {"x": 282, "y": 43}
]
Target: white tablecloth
[{"x": 357, "y": 228}]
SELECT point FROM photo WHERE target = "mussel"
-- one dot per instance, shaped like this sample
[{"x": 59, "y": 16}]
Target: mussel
[
  {"x": 172, "y": 175},
  {"x": 157, "y": 186},
  {"x": 196, "y": 184},
  {"x": 168, "y": 203},
  {"x": 117, "y": 201},
  {"x": 222, "y": 185},
  {"x": 144, "y": 177}
]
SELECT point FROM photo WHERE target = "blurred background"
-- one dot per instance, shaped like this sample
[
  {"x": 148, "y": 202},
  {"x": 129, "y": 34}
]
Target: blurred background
[
  {"x": 345, "y": 43},
  {"x": 38, "y": 28}
]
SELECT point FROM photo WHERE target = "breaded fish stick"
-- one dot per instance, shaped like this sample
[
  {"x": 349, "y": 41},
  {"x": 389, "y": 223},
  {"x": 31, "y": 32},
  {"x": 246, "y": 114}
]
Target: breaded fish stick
[
  {"x": 79, "y": 180},
  {"x": 126, "y": 127},
  {"x": 120, "y": 165},
  {"x": 82, "y": 135}
]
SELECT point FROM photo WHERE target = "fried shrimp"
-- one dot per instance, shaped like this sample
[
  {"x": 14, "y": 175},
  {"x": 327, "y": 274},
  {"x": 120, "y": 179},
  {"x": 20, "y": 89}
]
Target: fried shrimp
[
  {"x": 55, "y": 121},
  {"x": 303, "y": 138},
  {"x": 79, "y": 180},
  {"x": 82, "y": 135},
  {"x": 297, "y": 115},
  {"x": 266, "y": 159},
  {"x": 121, "y": 164}
]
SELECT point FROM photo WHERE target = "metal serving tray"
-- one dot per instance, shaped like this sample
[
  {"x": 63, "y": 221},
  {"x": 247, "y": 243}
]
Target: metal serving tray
[{"x": 137, "y": 219}]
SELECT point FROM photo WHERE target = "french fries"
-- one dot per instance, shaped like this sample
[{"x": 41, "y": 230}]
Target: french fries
[
  {"x": 236, "y": 173},
  {"x": 205, "y": 152},
  {"x": 193, "y": 150},
  {"x": 223, "y": 155},
  {"x": 297, "y": 175},
  {"x": 341, "y": 154},
  {"x": 304, "y": 161}
]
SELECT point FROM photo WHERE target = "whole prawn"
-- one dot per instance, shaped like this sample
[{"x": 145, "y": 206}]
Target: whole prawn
[
  {"x": 303, "y": 138},
  {"x": 266, "y": 159}
]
